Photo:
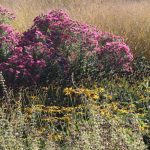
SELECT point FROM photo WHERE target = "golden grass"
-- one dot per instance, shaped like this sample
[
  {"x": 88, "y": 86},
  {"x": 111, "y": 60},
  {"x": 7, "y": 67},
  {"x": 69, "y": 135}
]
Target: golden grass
[{"x": 128, "y": 18}]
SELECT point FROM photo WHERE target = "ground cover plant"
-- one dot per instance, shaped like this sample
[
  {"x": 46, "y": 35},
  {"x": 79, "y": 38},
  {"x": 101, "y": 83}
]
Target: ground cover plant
[{"x": 68, "y": 85}]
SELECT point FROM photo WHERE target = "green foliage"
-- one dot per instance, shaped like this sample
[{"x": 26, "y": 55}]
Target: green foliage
[{"x": 115, "y": 116}]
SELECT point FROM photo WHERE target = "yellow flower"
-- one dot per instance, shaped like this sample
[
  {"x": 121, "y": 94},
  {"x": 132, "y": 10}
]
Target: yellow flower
[
  {"x": 52, "y": 107},
  {"x": 142, "y": 96},
  {"x": 101, "y": 90},
  {"x": 87, "y": 92},
  {"x": 50, "y": 119},
  {"x": 29, "y": 110},
  {"x": 53, "y": 111},
  {"x": 109, "y": 97},
  {"x": 132, "y": 105},
  {"x": 68, "y": 91},
  {"x": 144, "y": 127},
  {"x": 66, "y": 118},
  {"x": 94, "y": 96},
  {"x": 38, "y": 108},
  {"x": 141, "y": 115},
  {"x": 105, "y": 112},
  {"x": 41, "y": 130},
  {"x": 124, "y": 111},
  {"x": 68, "y": 109},
  {"x": 79, "y": 91},
  {"x": 114, "y": 105}
]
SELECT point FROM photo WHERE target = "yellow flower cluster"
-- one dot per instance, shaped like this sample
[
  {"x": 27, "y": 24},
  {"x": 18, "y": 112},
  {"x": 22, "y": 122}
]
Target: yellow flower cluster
[
  {"x": 90, "y": 94},
  {"x": 53, "y": 114},
  {"x": 107, "y": 108},
  {"x": 55, "y": 136},
  {"x": 113, "y": 109},
  {"x": 51, "y": 119},
  {"x": 52, "y": 109}
]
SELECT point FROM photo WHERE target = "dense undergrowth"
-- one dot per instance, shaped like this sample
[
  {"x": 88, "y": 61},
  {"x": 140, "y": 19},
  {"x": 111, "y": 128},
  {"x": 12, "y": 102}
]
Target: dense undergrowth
[{"x": 71, "y": 86}]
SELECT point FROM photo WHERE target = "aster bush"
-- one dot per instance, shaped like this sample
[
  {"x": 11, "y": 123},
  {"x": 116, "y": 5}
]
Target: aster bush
[
  {"x": 40, "y": 47},
  {"x": 67, "y": 46},
  {"x": 8, "y": 40},
  {"x": 56, "y": 47},
  {"x": 8, "y": 36}
]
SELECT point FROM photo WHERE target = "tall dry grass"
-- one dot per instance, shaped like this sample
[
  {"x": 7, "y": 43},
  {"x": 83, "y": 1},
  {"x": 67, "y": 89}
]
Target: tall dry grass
[{"x": 128, "y": 18}]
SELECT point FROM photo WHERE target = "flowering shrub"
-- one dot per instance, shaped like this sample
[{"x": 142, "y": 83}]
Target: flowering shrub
[
  {"x": 22, "y": 67},
  {"x": 8, "y": 37},
  {"x": 40, "y": 47},
  {"x": 57, "y": 46},
  {"x": 116, "y": 55},
  {"x": 8, "y": 40}
]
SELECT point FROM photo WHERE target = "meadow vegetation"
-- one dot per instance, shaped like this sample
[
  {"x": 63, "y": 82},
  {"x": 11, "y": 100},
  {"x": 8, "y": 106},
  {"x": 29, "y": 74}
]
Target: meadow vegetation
[{"x": 74, "y": 78}]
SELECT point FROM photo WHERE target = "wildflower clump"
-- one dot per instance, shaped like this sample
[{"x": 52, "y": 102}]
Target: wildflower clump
[
  {"x": 108, "y": 107},
  {"x": 93, "y": 94}
]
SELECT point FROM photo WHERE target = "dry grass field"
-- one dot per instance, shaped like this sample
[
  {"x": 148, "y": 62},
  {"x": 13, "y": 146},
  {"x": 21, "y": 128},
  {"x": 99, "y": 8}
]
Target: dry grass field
[
  {"x": 65, "y": 85},
  {"x": 128, "y": 18}
]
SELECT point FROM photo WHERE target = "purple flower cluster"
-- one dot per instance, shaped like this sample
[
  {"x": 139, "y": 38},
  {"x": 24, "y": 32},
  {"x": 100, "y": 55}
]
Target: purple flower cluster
[
  {"x": 116, "y": 55},
  {"x": 72, "y": 37},
  {"x": 23, "y": 66},
  {"x": 58, "y": 45},
  {"x": 8, "y": 41}
]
